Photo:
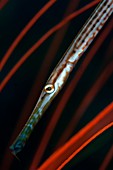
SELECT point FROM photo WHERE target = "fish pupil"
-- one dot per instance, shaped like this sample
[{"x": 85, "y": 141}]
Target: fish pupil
[{"x": 48, "y": 88}]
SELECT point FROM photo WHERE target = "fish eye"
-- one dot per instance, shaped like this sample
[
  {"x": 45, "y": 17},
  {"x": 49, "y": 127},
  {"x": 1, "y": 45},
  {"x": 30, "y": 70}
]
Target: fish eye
[{"x": 49, "y": 88}]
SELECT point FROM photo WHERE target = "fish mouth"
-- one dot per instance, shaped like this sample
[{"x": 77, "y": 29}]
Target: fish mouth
[{"x": 17, "y": 147}]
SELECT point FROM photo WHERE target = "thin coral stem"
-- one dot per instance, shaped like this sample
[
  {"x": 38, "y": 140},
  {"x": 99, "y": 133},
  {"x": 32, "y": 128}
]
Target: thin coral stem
[
  {"x": 3, "y": 3},
  {"x": 24, "y": 32},
  {"x": 85, "y": 144},
  {"x": 100, "y": 121},
  {"x": 107, "y": 159}
]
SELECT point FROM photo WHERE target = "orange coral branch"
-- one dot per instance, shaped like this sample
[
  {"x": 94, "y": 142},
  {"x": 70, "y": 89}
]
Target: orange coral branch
[
  {"x": 107, "y": 159},
  {"x": 24, "y": 31},
  {"x": 73, "y": 145},
  {"x": 3, "y": 3},
  {"x": 85, "y": 144}
]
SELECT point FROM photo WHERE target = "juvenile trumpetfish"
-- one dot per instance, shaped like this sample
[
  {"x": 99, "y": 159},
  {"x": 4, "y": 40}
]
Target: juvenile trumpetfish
[{"x": 63, "y": 69}]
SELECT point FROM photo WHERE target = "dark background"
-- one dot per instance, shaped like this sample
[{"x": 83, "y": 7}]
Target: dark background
[{"x": 13, "y": 17}]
